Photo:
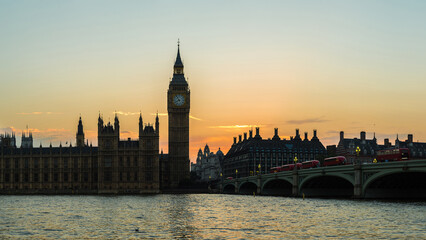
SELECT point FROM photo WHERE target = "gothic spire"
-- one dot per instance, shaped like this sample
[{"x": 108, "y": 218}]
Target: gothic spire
[
  {"x": 140, "y": 124},
  {"x": 178, "y": 75},
  {"x": 178, "y": 62},
  {"x": 157, "y": 124},
  {"x": 80, "y": 127}
]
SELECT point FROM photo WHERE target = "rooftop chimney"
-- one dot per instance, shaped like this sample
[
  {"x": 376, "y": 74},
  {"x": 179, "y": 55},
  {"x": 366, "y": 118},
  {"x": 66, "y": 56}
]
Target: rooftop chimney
[
  {"x": 235, "y": 140},
  {"x": 306, "y": 136},
  {"x": 239, "y": 138},
  {"x": 245, "y": 136},
  {"x": 315, "y": 133},
  {"x": 297, "y": 132},
  {"x": 362, "y": 136},
  {"x": 387, "y": 142},
  {"x": 276, "y": 137},
  {"x": 250, "y": 133},
  {"x": 342, "y": 135},
  {"x": 410, "y": 138},
  {"x": 257, "y": 136}
]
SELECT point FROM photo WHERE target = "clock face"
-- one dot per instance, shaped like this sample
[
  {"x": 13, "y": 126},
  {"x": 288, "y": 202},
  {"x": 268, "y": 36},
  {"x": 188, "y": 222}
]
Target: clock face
[{"x": 178, "y": 100}]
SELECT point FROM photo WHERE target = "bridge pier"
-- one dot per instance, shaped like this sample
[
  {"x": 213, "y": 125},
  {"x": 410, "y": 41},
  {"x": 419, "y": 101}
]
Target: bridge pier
[
  {"x": 259, "y": 185},
  {"x": 295, "y": 190},
  {"x": 358, "y": 181}
]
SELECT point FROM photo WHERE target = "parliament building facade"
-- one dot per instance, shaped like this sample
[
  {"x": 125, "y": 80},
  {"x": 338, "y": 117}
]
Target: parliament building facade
[{"x": 115, "y": 166}]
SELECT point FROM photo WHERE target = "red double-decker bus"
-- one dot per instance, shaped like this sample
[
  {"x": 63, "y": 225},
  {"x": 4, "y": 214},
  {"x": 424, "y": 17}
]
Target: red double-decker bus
[
  {"x": 334, "y": 161},
  {"x": 396, "y": 154},
  {"x": 287, "y": 167},
  {"x": 275, "y": 169},
  {"x": 310, "y": 164}
]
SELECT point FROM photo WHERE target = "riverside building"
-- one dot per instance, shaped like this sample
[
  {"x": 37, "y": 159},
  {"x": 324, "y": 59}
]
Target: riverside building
[
  {"x": 115, "y": 166},
  {"x": 207, "y": 167},
  {"x": 253, "y": 154}
]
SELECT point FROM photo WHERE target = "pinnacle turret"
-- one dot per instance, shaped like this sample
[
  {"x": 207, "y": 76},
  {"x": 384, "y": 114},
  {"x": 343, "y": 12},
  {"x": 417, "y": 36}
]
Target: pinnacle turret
[{"x": 80, "y": 134}]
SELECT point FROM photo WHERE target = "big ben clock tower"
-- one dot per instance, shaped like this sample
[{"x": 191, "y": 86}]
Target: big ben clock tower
[{"x": 178, "y": 102}]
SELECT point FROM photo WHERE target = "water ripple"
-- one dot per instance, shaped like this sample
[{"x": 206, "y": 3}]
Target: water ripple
[{"x": 207, "y": 217}]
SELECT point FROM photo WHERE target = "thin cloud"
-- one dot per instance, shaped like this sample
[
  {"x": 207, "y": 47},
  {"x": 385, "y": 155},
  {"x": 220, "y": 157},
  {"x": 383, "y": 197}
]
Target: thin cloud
[
  {"x": 127, "y": 113},
  {"x": 332, "y": 132},
  {"x": 35, "y": 130},
  {"x": 235, "y": 126},
  {"x": 129, "y": 134},
  {"x": 165, "y": 114},
  {"x": 195, "y": 118},
  {"x": 38, "y": 113},
  {"x": 8, "y": 129},
  {"x": 159, "y": 114},
  {"x": 307, "y": 120},
  {"x": 53, "y": 135}
]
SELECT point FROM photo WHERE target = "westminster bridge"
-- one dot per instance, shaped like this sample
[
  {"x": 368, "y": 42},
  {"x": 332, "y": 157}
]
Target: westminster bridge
[{"x": 403, "y": 179}]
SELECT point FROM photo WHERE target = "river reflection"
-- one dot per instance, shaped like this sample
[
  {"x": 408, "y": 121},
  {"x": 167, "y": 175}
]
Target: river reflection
[{"x": 203, "y": 216}]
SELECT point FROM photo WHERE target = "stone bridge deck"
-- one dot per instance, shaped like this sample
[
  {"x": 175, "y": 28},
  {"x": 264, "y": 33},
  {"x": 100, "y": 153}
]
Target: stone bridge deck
[{"x": 404, "y": 179}]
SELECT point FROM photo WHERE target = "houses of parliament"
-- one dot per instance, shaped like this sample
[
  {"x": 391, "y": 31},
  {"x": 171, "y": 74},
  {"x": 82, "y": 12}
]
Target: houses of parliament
[{"x": 115, "y": 166}]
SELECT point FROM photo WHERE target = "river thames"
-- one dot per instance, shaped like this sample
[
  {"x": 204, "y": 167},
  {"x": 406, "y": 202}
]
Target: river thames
[{"x": 207, "y": 216}]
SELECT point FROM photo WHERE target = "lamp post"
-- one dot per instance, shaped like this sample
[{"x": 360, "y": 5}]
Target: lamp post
[
  {"x": 357, "y": 154},
  {"x": 236, "y": 173},
  {"x": 259, "y": 171},
  {"x": 295, "y": 162},
  {"x": 221, "y": 183}
]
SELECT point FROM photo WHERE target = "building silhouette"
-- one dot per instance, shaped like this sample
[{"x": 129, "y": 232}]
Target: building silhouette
[
  {"x": 248, "y": 153},
  {"x": 369, "y": 147},
  {"x": 208, "y": 164},
  {"x": 114, "y": 166},
  {"x": 417, "y": 149}
]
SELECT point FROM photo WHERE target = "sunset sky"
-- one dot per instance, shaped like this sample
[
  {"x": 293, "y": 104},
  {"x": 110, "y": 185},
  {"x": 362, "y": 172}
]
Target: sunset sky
[{"x": 325, "y": 65}]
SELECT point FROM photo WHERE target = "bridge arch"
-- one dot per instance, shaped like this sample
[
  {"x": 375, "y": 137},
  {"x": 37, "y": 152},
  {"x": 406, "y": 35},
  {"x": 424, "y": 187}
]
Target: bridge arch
[
  {"x": 396, "y": 183},
  {"x": 327, "y": 185},
  {"x": 339, "y": 175},
  {"x": 229, "y": 188},
  {"x": 248, "y": 187},
  {"x": 277, "y": 187}
]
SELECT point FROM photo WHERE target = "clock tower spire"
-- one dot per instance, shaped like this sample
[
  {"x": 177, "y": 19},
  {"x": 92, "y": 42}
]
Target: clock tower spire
[
  {"x": 178, "y": 76},
  {"x": 178, "y": 105},
  {"x": 178, "y": 67}
]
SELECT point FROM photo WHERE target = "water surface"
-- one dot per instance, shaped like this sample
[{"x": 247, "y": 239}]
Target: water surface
[{"x": 204, "y": 216}]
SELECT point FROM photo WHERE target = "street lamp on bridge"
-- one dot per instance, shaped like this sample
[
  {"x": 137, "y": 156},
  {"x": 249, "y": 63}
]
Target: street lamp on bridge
[
  {"x": 259, "y": 167},
  {"x": 357, "y": 154},
  {"x": 236, "y": 173}
]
